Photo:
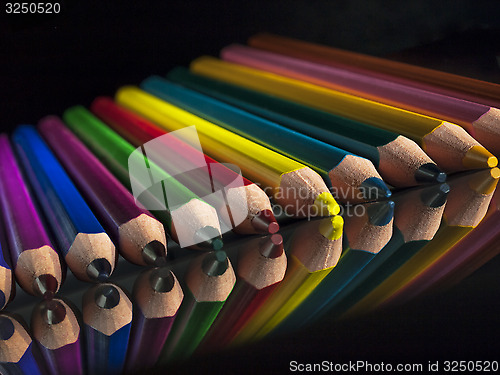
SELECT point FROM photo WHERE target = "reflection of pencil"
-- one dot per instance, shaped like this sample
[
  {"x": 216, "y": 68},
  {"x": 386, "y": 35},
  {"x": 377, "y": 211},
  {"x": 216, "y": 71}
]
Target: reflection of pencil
[
  {"x": 410, "y": 75},
  {"x": 107, "y": 314},
  {"x": 18, "y": 353},
  {"x": 87, "y": 249},
  {"x": 261, "y": 268},
  {"x": 140, "y": 237},
  {"x": 314, "y": 251},
  {"x": 157, "y": 295},
  {"x": 447, "y": 144},
  {"x": 352, "y": 178},
  {"x": 380, "y": 146},
  {"x": 194, "y": 220},
  {"x": 139, "y": 131},
  {"x": 209, "y": 280},
  {"x": 36, "y": 264},
  {"x": 7, "y": 285},
  {"x": 57, "y": 331},
  {"x": 481, "y": 121},
  {"x": 298, "y": 189}
]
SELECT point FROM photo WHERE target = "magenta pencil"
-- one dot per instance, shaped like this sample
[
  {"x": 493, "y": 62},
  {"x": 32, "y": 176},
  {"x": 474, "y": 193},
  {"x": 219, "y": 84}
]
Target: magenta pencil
[{"x": 36, "y": 264}]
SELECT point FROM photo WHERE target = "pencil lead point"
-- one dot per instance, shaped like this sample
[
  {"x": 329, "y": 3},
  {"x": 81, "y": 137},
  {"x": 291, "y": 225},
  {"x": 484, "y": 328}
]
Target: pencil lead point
[
  {"x": 215, "y": 263},
  {"x": 106, "y": 296},
  {"x": 265, "y": 222},
  {"x": 429, "y": 172},
  {"x": 380, "y": 213},
  {"x": 53, "y": 312},
  {"x": 99, "y": 269},
  {"x": 486, "y": 181},
  {"x": 332, "y": 227},
  {"x": 435, "y": 196},
  {"x": 6, "y": 328},
  {"x": 45, "y": 285},
  {"x": 478, "y": 157},
  {"x": 162, "y": 280},
  {"x": 153, "y": 252},
  {"x": 326, "y": 204},
  {"x": 374, "y": 188},
  {"x": 272, "y": 246},
  {"x": 209, "y": 237}
]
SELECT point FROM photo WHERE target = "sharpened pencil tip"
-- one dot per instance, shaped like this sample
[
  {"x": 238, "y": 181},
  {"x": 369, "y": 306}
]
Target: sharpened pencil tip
[
  {"x": 272, "y": 246},
  {"x": 435, "y": 196},
  {"x": 374, "y": 188},
  {"x": 208, "y": 237},
  {"x": 478, "y": 158},
  {"x": 332, "y": 227},
  {"x": 6, "y": 328},
  {"x": 485, "y": 182},
  {"x": 52, "y": 311},
  {"x": 106, "y": 296},
  {"x": 162, "y": 280},
  {"x": 153, "y": 251},
  {"x": 429, "y": 172},
  {"x": 265, "y": 222},
  {"x": 45, "y": 286},
  {"x": 326, "y": 204},
  {"x": 380, "y": 213},
  {"x": 99, "y": 269},
  {"x": 215, "y": 263}
]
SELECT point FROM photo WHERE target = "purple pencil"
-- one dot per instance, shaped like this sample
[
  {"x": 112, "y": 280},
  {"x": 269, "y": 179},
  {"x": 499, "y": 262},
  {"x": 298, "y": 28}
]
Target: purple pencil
[
  {"x": 158, "y": 296},
  {"x": 58, "y": 333},
  {"x": 139, "y": 237},
  {"x": 36, "y": 264}
]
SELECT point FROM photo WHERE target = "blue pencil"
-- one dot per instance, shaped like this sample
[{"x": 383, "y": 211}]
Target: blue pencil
[{"x": 85, "y": 246}]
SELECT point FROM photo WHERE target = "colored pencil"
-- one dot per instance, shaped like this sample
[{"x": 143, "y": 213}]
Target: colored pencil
[
  {"x": 139, "y": 237},
  {"x": 461, "y": 87},
  {"x": 138, "y": 131},
  {"x": 367, "y": 230},
  {"x": 157, "y": 296},
  {"x": 382, "y": 147},
  {"x": 35, "y": 261},
  {"x": 466, "y": 206},
  {"x": 452, "y": 148},
  {"x": 349, "y": 177},
  {"x": 191, "y": 221},
  {"x": 107, "y": 317},
  {"x": 481, "y": 121},
  {"x": 417, "y": 217},
  {"x": 18, "y": 353},
  {"x": 298, "y": 189},
  {"x": 261, "y": 268},
  {"x": 209, "y": 281},
  {"x": 7, "y": 284},
  {"x": 85, "y": 246},
  {"x": 57, "y": 332},
  {"x": 315, "y": 249}
]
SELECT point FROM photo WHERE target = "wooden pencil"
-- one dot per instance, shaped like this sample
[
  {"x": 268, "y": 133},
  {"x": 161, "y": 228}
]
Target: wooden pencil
[
  {"x": 480, "y": 121},
  {"x": 18, "y": 353},
  {"x": 261, "y": 268},
  {"x": 7, "y": 284},
  {"x": 349, "y": 177},
  {"x": 315, "y": 249},
  {"x": 452, "y": 148},
  {"x": 299, "y": 190},
  {"x": 466, "y": 206},
  {"x": 191, "y": 220},
  {"x": 138, "y": 131},
  {"x": 107, "y": 318},
  {"x": 157, "y": 296},
  {"x": 367, "y": 230},
  {"x": 85, "y": 246},
  {"x": 36, "y": 264},
  {"x": 382, "y": 147},
  {"x": 209, "y": 281},
  {"x": 139, "y": 236},
  {"x": 453, "y": 85},
  {"x": 57, "y": 332}
]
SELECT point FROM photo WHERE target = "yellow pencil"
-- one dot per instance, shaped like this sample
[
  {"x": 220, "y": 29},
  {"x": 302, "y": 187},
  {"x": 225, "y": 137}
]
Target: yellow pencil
[
  {"x": 449, "y": 145},
  {"x": 298, "y": 189}
]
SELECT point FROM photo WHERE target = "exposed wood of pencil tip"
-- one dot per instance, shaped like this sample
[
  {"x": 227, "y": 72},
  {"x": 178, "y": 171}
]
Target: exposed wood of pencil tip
[
  {"x": 6, "y": 283},
  {"x": 487, "y": 130},
  {"x": 139, "y": 232},
  {"x": 454, "y": 149},
  {"x": 54, "y": 324},
  {"x": 156, "y": 302},
  {"x": 468, "y": 202},
  {"x": 206, "y": 288},
  {"x": 15, "y": 339},
  {"x": 104, "y": 320},
  {"x": 262, "y": 271}
]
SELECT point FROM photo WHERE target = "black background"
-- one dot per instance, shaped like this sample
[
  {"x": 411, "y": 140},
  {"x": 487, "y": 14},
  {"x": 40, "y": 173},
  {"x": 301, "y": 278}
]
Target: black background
[{"x": 48, "y": 63}]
